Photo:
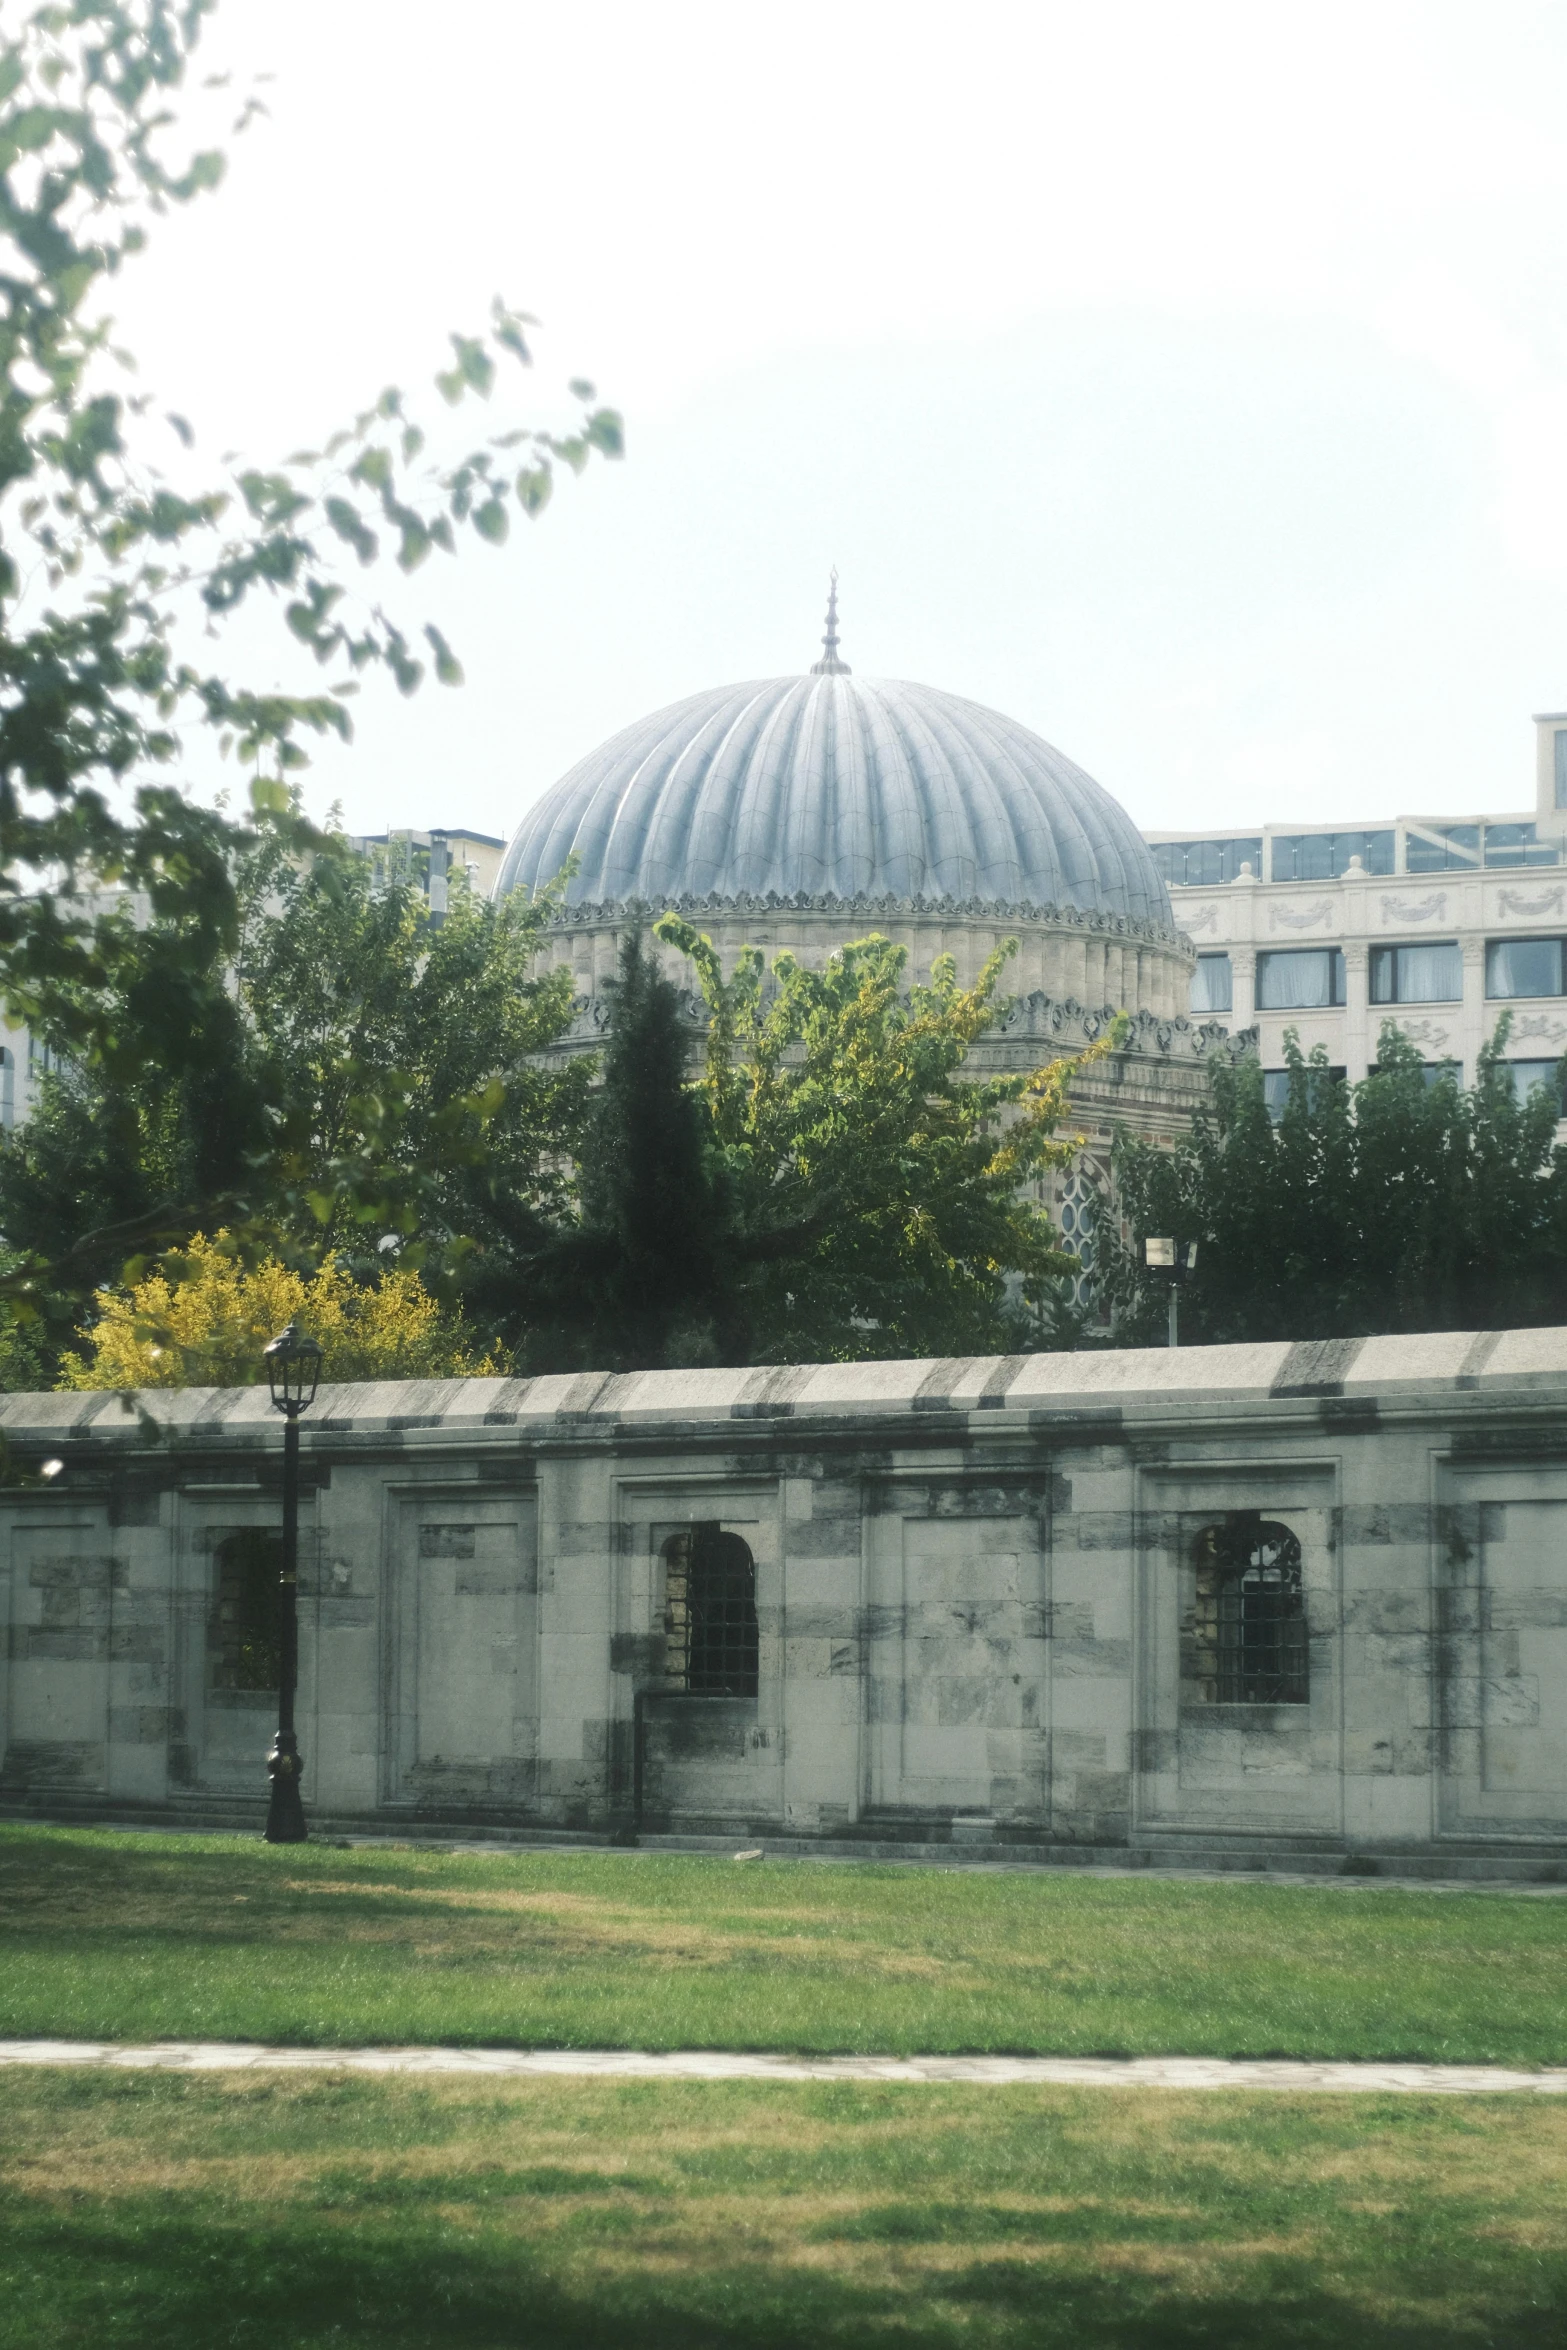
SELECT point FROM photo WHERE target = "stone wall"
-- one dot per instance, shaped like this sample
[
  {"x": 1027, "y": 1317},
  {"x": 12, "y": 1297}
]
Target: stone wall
[{"x": 1232, "y": 1600}]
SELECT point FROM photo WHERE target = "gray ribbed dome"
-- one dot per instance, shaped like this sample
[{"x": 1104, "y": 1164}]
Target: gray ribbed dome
[{"x": 838, "y": 787}]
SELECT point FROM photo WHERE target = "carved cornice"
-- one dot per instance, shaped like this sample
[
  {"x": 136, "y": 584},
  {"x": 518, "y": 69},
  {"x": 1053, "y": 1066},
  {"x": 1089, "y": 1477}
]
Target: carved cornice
[
  {"x": 614, "y": 914},
  {"x": 1061, "y": 1023}
]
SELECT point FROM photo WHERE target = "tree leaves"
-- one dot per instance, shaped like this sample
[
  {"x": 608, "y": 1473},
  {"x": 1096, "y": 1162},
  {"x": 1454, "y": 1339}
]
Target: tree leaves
[
  {"x": 447, "y": 666},
  {"x": 877, "y": 1192},
  {"x": 1393, "y": 1204},
  {"x": 97, "y": 687}
]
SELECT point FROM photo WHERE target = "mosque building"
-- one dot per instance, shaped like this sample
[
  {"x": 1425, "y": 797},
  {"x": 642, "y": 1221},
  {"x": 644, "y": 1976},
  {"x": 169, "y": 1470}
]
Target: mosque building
[
  {"x": 804, "y": 812},
  {"x": 1290, "y": 1605}
]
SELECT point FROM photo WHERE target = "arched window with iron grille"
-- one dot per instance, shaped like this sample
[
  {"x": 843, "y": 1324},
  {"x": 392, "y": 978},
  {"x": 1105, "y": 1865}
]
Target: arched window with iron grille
[
  {"x": 710, "y": 1612},
  {"x": 1250, "y": 1636}
]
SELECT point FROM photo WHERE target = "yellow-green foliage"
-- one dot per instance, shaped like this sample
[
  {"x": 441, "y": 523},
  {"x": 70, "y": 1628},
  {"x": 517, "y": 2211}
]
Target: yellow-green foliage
[{"x": 208, "y": 1329}]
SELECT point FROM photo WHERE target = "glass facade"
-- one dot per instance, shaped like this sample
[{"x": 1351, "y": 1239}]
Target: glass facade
[
  {"x": 1417, "y": 975},
  {"x": 1206, "y": 862},
  {"x": 1518, "y": 844},
  {"x": 1323, "y": 856},
  {"x": 1442, "y": 848},
  {"x": 1298, "y": 979},
  {"x": 1523, "y": 967},
  {"x": 1213, "y": 988}
]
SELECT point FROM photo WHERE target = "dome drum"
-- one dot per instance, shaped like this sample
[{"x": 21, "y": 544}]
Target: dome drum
[{"x": 1062, "y": 952}]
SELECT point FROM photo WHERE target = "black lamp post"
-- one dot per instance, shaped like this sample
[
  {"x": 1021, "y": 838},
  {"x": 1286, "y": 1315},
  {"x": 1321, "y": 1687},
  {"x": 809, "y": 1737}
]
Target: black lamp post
[
  {"x": 293, "y": 1363},
  {"x": 1177, "y": 1259}
]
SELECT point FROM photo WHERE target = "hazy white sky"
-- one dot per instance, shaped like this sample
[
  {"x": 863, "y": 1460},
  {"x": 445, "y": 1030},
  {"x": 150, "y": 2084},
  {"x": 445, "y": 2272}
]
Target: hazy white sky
[{"x": 1190, "y": 383}]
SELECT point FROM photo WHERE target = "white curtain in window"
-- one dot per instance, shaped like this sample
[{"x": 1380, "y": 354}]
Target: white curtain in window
[
  {"x": 1524, "y": 966},
  {"x": 1529, "y": 1073},
  {"x": 1430, "y": 975},
  {"x": 1211, "y": 989},
  {"x": 1292, "y": 982}
]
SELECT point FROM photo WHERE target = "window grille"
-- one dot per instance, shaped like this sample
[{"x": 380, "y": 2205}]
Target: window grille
[
  {"x": 1250, "y": 1624},
  {"x": 1076, "y": 1217},
  {"x": 710, "y": 1612},
  {"x": 245, "y": 1639}
]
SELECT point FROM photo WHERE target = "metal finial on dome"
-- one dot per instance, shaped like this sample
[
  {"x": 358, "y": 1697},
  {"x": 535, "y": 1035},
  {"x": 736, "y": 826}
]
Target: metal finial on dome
[{"x": 829, "y": 665}]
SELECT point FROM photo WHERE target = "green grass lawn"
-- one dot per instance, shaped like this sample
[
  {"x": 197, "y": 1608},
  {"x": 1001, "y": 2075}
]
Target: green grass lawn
[
  {"x": 109, "y": 1936},
  {"x": 150, "y": 2212}
]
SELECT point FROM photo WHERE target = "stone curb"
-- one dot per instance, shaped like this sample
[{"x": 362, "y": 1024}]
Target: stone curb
[{"x": 1095, "y": 2072}]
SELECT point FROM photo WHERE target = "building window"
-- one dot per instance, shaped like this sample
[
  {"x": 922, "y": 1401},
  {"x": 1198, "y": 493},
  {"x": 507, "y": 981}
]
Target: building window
[
  {"x": 1560, "y": 747},
  {"x": 1276, "y": 1087},
  {"x": 1441, "y": 848},
  {"x": 1528, "y": 1074},
  {"x": 1417, "y": 975},
  {"x": 1213, "y": 990},
  {"x": 1518, "y": 844},
  {"x": 1523, "y": 967},
  {"x": 1249, "y": 1626},
  {"x": 1431, "y": 1072},
  {"x": 1325, "y": 856},
  {"x": 245, "y": 1636},
  {"x": 1202, "y": 864},
  {"x": 1300, "y": 978},
  {"x": 710, "y": 1612}
]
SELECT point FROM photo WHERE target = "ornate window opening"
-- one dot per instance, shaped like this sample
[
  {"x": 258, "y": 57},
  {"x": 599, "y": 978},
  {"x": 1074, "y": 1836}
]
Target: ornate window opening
[
  {"x": 245, "y": 1635},
  {"x": 1249, "y": 1629},
  {"x": 1077, "y": 1212},
  {"x": 710, "y": 1626}
]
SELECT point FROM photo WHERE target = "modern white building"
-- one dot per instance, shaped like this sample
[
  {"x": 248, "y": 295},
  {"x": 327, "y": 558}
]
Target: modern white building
[
  {"x": 439, "y": 860},
  {"x": 1434, "y": 922}
]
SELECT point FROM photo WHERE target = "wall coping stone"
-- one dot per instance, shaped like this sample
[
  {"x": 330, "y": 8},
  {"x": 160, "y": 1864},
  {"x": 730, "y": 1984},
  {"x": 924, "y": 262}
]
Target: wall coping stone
[{"x": 1529, "y": 1365}]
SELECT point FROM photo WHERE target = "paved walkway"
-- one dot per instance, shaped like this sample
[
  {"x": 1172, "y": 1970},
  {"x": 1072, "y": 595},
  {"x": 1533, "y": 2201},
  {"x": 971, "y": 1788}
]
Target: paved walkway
[{"x": 1095, "y": 2072}]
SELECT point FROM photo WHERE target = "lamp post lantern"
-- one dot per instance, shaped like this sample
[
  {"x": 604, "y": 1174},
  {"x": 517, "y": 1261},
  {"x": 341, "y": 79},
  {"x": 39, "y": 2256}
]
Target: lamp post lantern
[
  {"x": 1177, "y": 1258},
  {"x": 293, "y": 1363}
]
